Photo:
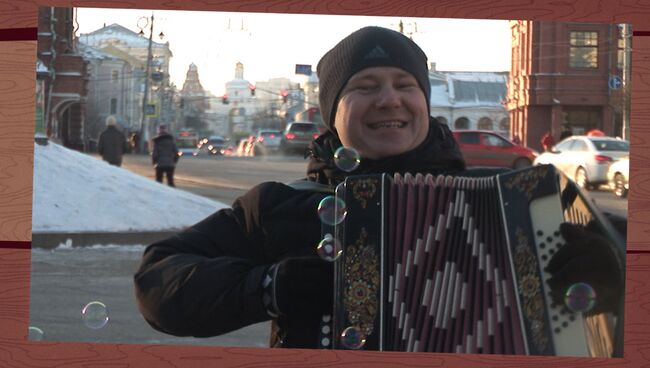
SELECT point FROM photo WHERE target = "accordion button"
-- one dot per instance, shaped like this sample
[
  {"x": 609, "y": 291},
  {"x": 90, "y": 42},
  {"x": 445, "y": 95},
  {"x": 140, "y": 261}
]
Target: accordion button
[
  {"x": 325, "y": 329},
  {"x": 325, "y": 342},
  {"x": 557, "y": 330}
]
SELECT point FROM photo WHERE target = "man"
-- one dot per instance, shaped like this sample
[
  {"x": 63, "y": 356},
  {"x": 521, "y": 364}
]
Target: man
[
  {"x": 164, "y": 156},
  {"x": 112, "y": 143},
  {"x": 256, "y": 261}
]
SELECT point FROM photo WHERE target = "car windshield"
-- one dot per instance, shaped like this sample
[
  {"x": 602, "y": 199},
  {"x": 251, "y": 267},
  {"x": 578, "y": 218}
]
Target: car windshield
[{"x": 611, "y": 145}]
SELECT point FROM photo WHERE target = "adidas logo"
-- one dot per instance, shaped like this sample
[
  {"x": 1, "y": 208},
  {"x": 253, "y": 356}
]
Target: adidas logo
[{"x": 377, "y": 53}]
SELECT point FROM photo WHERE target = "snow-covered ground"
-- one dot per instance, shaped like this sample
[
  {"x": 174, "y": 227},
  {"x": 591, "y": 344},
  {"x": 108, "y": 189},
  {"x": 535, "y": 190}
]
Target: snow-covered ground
[{"x": 74, "y": 192}]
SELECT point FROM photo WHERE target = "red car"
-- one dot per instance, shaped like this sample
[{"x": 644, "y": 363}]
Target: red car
[{"x": 487, "y": 148}]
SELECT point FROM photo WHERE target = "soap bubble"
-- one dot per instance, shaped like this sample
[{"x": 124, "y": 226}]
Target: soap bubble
[
  {"x": 347, "y": 159},
  {"x": 352, "y": 338},
  {"x": 332, "y": 210},
  {"x": 580, "y": 297},
  {"x": 35, "y": 334},
  {"x": 95, "y": 315},
  {"x": 329, "y": 248}
]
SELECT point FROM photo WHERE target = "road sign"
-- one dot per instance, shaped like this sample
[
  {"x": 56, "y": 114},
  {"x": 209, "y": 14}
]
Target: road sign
[
  {"x": 150, "y": 111},
  {"x": 615, "y": 82},
  {"x": 303, "y": 69}
]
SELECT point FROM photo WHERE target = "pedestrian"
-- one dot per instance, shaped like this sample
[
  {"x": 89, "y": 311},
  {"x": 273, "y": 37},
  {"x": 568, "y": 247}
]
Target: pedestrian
[
  {"x": 548, "y": 141},
  {"x": 256, "y": 261},
  {"x": 164, "y": 156},
  {"x": 112, "y": 143}
]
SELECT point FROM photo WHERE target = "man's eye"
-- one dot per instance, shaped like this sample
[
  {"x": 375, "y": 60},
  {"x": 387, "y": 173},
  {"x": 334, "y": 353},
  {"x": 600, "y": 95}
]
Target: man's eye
[
  {"x": 406, "y": 85},
  {"x": 364, "y": 87}
]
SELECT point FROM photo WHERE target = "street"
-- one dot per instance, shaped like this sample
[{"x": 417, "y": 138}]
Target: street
[
  {"x": 224, "y": 178},
  {"x": 65, "y": 279}
]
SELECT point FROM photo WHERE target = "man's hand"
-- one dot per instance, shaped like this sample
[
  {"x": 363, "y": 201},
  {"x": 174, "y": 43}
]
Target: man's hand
[
  {"x": 590, "y": 258},
  {"x": 303, "y": 286}
]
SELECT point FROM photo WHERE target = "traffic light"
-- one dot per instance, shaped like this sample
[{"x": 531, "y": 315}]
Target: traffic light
[
  {"x": 224, "y": 99},
  {"x": 252, "y": 88},
  {"x": 284, "y": 95}
]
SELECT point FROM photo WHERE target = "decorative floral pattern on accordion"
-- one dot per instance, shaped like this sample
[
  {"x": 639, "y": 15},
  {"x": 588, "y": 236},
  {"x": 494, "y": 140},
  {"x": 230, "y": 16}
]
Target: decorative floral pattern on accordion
[
  {"x": 530, "y": 289},
  {"x": 527, "y": 180},
  {"x": 363, "y": 190},
  {"x": 361, "y": 284}
]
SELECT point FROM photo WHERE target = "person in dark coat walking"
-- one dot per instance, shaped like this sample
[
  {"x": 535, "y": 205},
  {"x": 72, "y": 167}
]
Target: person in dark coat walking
[
  {"x": 112, "y": 143},
  {"x": 164, "y": 156},
  {"x": 256, "y": 261}
]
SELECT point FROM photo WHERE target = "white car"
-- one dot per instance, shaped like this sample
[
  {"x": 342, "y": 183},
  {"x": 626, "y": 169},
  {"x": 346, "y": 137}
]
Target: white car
[
  {"x": 619, "y": 177},
  {"x": 585, "y": 159}
]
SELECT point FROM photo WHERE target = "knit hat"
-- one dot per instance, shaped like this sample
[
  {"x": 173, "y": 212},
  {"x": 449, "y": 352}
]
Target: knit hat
[{"x": 365, "y": 48}]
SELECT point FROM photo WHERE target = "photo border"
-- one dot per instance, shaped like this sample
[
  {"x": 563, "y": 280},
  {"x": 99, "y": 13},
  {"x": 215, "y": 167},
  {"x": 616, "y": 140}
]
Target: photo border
[{"x": 18, "y": 21}]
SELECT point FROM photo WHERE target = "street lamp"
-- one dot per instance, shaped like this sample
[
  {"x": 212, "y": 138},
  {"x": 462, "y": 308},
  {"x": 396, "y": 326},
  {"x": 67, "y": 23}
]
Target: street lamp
[{"x": 144, "y": 131}]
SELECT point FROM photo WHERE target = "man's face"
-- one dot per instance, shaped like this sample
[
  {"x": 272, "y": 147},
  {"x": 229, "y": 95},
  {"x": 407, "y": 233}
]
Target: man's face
[{"x": 382, "y": 112}]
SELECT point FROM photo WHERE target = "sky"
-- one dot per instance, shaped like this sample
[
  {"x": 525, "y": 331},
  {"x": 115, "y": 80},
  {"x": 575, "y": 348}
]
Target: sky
[
  {"x": 75, "y": 192},
  {"x": 270, "y": 45}
]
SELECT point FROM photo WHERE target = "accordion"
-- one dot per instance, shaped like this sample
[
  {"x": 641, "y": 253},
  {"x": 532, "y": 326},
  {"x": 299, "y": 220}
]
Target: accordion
[{"x": 455, "y": 264}]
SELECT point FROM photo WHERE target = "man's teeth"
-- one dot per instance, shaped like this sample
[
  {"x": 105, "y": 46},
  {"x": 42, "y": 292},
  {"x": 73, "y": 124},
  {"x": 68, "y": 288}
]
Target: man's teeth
[{"x": 388, "y": 124}]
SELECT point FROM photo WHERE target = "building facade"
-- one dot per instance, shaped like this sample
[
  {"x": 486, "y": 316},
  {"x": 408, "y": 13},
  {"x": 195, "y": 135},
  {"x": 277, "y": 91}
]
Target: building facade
[
  {"x": 111, "y": 91},
  {"x": 566, "y": 76},
  {"x": 132, "y": 47},
  {"x": 61, "y": 79},
  {"x": 470, "y": 100}
]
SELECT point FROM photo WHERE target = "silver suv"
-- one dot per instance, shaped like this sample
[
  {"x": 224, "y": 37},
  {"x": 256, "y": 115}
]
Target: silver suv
[{"x": 297, "y": 136}]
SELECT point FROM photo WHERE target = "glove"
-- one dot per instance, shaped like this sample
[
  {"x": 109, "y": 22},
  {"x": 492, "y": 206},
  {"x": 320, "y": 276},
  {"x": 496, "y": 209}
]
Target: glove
[
  {"x": 302, "y": 286},
  {"x": 587, "y": 257}
]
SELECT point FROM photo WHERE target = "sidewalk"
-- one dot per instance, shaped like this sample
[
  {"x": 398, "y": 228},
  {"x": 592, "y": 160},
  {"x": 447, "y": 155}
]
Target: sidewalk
[{"x": 79, "y": 239}]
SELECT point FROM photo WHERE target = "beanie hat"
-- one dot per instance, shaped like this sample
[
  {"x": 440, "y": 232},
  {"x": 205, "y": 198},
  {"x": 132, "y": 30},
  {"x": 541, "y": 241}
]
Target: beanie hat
[{"x": 365, "y": 48}]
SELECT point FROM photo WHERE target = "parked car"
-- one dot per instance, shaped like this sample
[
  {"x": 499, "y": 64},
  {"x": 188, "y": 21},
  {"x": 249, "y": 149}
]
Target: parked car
[
  {"x": 618, "y": 177},
  {"x": 267, "y": 141},
  {"x": 298, "y": 135},
  {"x": 487, "y": 148},
  {"x": 585, "y": 159}
]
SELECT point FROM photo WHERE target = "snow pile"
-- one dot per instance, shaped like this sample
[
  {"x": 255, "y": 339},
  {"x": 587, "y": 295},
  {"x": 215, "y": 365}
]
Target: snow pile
[{"x": 74, "y": 192}]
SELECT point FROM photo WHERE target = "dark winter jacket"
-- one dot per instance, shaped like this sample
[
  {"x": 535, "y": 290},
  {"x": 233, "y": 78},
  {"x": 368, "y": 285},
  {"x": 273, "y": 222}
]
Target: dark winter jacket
[
  {"x": 207, "y": 280},
  {"x": 165, "y": 152},
  {"x": 111, "y": 145}
]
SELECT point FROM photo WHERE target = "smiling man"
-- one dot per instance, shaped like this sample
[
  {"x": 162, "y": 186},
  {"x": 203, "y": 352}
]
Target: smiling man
[{"x": 257, "y": 260}]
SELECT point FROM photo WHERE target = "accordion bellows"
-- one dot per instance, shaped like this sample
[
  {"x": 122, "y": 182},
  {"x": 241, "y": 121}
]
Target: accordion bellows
[{"x": 455, "y": 264}]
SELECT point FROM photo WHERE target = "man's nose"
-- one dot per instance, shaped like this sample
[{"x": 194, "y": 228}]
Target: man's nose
[{"x": 389, "y": 97}]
